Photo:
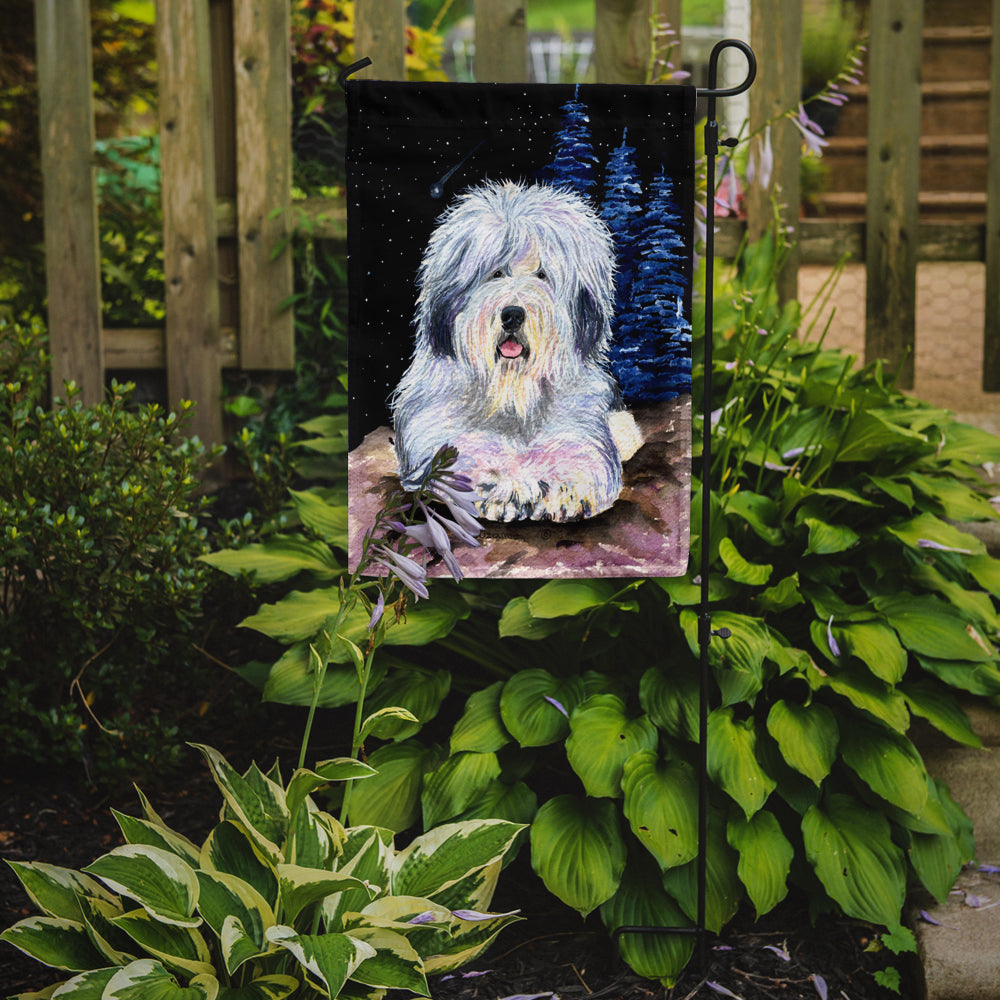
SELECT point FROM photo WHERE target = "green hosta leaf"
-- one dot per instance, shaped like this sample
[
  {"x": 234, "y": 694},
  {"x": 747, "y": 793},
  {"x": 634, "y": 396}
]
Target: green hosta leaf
[
  {"x": 443, "y": 856},
  {"x": 684, "y": 592},
  {"x": 937, "y": 860},
  {"x": 957, "y": 501},
  {"x": 732, "y": 760},
  {"x": 602, "y": 738},
  {"x": 386, "y": 723},
  {"x": 301, "y": 887},
  {"x": 975, "y": 605},
  {"x": 395, "y": 964},
  {"x": 738, "y": 661},
  {"x": 783, "y": 595},
  {"x": 517, "y": 620},
  {"x": 54, "y": 941},
  {"x": 986, "y": 571},
  {"x": 578, "y": 851},
  {"x": 752, "y": 574},
  {"x": 180, "y": 948},
  {"x": 807, "y": 736},
  {"x": 481, "y": 728},
  {"x": 641, "y": 901},
  {"x": 870, "y": 436},
  {"x": 56, "y": 891},
  {"x": 141, "y": 831},
  {"x": 225, "y": 897},
  {"x": 559, "y": 598},
  {"x": 330, "y": 959},
  {"x": 976, "y": 678},
  {"x": 964, "y": 443},
  {"x": 279, "y": 558},
  {"x": 327, "y": 520},
  {"x": 147, "y": 979},
  {"x": 230, "y": 849},
  {"x": 828, "y": 539},
  {"x": 888, "y": 763},
  {"x": 159, "y": 881},
  {"x": 876, "y": 646},
  {"x": 865, "y": 692},
  {"x": 417, "y": 690},
  {"x": 661, "y": 799},
  {"x": 292, "y": 680},
  {"x": 515, "y": 803},
  {"x": 850, "y": 847},
  {"x": 893, "y": 488},
  {"x": 765, "y": 858},
  {"x": 723, "y": 889},
  {"x": 931, "y": 628},
  {"x": 456, "y": 784},
  {"x": 261, "y": 809},
  {"x": 671, "y": 699},
  {"x": 941, "y": 709},
  {"x": 275, "y": 987},
  {"x": 928, "y": 528},
  {"x": 391, "y": 798},
  {"x": 535, "y": 706},
  {"x": 758, "y": 511}
]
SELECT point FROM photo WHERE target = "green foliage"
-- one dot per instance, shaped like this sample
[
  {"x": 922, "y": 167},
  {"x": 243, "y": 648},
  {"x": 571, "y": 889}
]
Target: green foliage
[
  {"x": 279, "y": 899},
  {"x": 99, "y": 540}
]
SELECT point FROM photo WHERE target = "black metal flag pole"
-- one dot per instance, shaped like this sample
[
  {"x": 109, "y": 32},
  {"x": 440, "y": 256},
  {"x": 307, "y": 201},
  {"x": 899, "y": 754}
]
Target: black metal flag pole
[{"x": 705, "y": 631}]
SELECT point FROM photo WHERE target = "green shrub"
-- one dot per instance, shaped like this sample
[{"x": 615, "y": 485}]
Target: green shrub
[
  {"x": 280, "y": 899},
  {"x": 99, "y": 542}
]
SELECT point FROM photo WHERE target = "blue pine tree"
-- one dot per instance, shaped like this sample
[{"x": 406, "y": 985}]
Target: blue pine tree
[
  {"x": 651, "y": 357},
  {"x": 621, "y": 208},
  {"x": 573, "y": 162}
]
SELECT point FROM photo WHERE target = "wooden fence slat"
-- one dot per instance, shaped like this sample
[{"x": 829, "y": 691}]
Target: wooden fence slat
[
  {"x": 501, "y": 41},
  {"x": 776, "y": 36},
  {"x": 621, "y": 40},
  {"x": 380, "y": 34},
  {"x": 190, "y": 253},
  {"x": 892, "y": 215},
  {"x": 991, "y": 331},
  {"x": 72, "y": 256},
  {"x": 262, "y": 61}
]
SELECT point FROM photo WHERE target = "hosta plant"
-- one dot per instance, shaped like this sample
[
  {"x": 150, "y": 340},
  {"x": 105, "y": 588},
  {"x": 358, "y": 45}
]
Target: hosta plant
[{"x": 279, "y": 900}]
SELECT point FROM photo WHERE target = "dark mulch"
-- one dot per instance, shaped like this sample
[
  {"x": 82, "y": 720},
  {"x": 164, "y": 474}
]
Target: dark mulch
[{"x": 551, "y": 951}]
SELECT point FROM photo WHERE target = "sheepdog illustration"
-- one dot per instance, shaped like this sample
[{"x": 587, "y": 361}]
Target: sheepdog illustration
[{"x": 512, "y": 331}]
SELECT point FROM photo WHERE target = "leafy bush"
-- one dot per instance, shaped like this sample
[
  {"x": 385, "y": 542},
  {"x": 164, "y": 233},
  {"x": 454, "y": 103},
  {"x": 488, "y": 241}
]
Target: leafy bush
[
  {"x": 99, "y": 539},
  {"x": 854, "y": 602},
  {"x": 280, "y": 898}
]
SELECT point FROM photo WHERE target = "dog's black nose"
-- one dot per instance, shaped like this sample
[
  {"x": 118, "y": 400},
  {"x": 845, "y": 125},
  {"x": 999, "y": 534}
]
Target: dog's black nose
[{"x": 512, "y": 318}]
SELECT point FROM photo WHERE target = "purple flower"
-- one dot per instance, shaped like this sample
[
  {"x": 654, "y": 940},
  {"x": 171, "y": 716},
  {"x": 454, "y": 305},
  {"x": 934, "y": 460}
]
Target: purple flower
[
  {"x": 427, "y": 917},
  {"x": 552, "y": 701},
  {"x": 811, "y": 132},
  {"x": 834, "y": 648},
  {"x": 927, "y": 543},
  {"x": 410, "y": 572},
  {"x": 780, "y": 952},
  {"x": 475, "y": 915},
  {"x": 719, "y": 988},
  {"x": 377, "y": 611},
  {"x": 761, "y": 163},
  {"x": 820, "y": 983}
]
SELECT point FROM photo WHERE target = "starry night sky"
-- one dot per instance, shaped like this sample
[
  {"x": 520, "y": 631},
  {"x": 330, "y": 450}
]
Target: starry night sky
[{"x": 407, "y": 138}]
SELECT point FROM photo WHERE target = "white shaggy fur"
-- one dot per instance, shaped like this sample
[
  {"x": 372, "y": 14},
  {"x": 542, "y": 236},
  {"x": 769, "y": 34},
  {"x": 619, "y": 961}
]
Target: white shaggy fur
[{"x": 512, "y": 331}]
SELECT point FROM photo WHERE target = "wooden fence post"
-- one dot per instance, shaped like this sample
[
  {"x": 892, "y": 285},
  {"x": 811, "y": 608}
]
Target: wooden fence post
[
  {"x": 190, "y": 251},
  {"x": 380, "y": 34},
  {"x": 501, "y": 41},
  {"x": 72, "y": 255},
  {"x": 892, "y": 215},
  {"x": 262, "y": 61},
  {"x": 621, "y": 40},
  {"x": 991, "y": 332},
  {"x": 776, "y": 35}
]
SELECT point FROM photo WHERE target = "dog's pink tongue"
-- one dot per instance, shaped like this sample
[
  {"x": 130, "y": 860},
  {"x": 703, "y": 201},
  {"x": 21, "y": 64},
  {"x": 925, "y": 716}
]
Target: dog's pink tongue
[{"x": 510, "y": 348}]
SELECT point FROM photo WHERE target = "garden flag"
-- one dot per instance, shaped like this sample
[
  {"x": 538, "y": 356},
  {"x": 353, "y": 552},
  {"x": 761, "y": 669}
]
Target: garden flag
[{"x": 520, "y": 288}]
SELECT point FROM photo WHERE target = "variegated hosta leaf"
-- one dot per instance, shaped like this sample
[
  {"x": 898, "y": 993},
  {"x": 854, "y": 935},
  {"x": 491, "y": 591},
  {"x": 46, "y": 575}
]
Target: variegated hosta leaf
[
  {"x": 230, "y": 849},
  {"x": 578, "y": 851},
  {"x": 256, "y": 801},
  {"x": 56, "y": 891},
  {"x": 160, "y": 882},
  {"x": 141, "y": 831},
  {"x": 465, "y": 942},
  {"x": 642, "y": 902},
  {"x": 149, "y": 980},
  {"x": 661, "y": 805},
  {"x": 395, "y": 964},
  {"x": 300, "y": 887},
  {"x": 329, "y": 959},
  {"x": 807, "y": 736},
  {"x": 274, "y": 987},
  {"x": 850, "y": 847},
  {"x": 456, "y": 784},
  {"x": 367, "y": 853},
  {"x": 224, "y": 898},
  {"x": 732, "y": 760},
  {"x": 177, "y": 947},
  {"x": 315, "y": 838},
  {"x": 98, "y": 915},
  {"x": 602, "y": 737},
  {"x": 304, "y": 782},
  {"x": 441, "y": 857},
  {"x": 481, "y": 727},
  {"x": 765, "y": 858},
  {"x": 86, "y": 986},
  {"x": 54, "y": 941}
]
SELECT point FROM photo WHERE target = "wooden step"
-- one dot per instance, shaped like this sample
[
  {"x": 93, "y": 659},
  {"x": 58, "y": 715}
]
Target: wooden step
[
  {"x": 956, "y": 53},
  {"x": 947, "y": 162},
  {"x": 945, "y": 104},
  {"x": 939, "y": 13},
  {"x": 958, "y": 206}
]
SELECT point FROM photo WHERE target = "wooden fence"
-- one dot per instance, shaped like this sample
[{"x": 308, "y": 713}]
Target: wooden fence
[{"x": 226, "y": 160}]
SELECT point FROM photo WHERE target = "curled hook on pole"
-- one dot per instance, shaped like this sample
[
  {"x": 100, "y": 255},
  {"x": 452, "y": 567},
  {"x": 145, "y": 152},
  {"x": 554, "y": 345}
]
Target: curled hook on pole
[{"x": 350, "y": 70}]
